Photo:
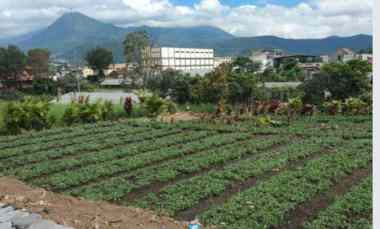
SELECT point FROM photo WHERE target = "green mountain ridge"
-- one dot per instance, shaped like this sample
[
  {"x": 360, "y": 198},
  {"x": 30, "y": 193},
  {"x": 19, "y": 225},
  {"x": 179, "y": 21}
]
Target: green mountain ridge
[{"x": 240, "y": 46}]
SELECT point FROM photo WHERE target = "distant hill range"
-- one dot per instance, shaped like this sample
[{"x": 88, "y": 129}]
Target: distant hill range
[{"x": 73, "y": 34}]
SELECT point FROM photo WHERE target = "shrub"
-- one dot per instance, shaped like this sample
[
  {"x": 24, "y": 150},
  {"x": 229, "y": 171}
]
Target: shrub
[
  {"x": 128, "y": 105},
  {"x": 333, "y": 107},
  {"x": 83, "y": 111},
  {"x": 282, "y": 109},
  {"x": 274, "y": 105},
  {"x": 170, "y": 107},
  {"x": 153, "y": 105},
  {"x": 367, "y": 98},
  {"x": 295, "y": 104},
  {"x": 44, "y": 86},
  {"x": 267, "y": 121},
  {"x": 220, "y": 110},
  {"x": 263, "y": 121},
  {"x": 354, "y": 106},
  {"x": 143, "y": 95},
  {"x": 30, "y": 114},
  {"x": 308, "y": 109},
  {"x": 87, "y": 86}
]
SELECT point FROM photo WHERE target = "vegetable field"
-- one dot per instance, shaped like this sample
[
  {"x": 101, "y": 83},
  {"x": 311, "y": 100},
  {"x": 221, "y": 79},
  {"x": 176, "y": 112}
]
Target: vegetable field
[{"x": 315, "y": 173}]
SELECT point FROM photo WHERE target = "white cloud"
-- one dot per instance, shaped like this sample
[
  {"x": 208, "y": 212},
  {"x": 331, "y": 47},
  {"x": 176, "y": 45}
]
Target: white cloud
[
  {"x": 212, "y": 6},
  {"x": 149, "y": 7},
  {"x": 339, "y": 7},
  {"x": 309, "y": 19}
]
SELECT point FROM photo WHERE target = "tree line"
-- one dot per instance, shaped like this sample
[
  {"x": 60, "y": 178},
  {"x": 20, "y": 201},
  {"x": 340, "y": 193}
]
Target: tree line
[{"x": 239, "y": 82}]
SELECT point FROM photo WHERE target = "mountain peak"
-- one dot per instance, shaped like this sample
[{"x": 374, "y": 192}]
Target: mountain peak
[
  {"x": 73, "y": 14},
  {"x": 75, "y": 17},
  {"x": 78, "y": 24}
]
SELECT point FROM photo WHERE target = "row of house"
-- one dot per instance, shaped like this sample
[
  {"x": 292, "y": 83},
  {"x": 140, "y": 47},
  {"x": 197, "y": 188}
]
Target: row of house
[
  {"x": 345, "y": 54},
  {"x": 199, "y": 61},
  {"x": 309, "y": 63},
  {"x": 23, "y": 80}
]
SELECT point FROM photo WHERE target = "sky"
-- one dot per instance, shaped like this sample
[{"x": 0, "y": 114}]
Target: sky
[{"x": 283, "y": 18}]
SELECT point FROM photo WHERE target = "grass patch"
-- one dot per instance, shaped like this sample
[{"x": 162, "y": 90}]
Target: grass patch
[
  {"x": 3, "y": 105},
  {"x": 57, "y": 110}
]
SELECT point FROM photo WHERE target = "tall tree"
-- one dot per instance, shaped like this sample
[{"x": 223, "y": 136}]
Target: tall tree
[
  {"x": 3, "y": 64},
  {"x": 245, "y": 65},
  {"x": 217, "y": 83},
  {"x": 349, "y": 79},
  {"x": 290, "y": 70},
  {"x": 12, "y": 64},
  {"x": 38, "y": 61},
  {"x": 241, "y": 88},
  {"x": 99, "y": 59},
  {"x": 137, "y": 50},
  {"x": 342, "y": 80}
]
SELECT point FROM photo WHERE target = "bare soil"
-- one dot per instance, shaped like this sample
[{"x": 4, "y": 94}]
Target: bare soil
[
  {"x": 181, "y": 116},
  {"x": 79, "y": 213}
]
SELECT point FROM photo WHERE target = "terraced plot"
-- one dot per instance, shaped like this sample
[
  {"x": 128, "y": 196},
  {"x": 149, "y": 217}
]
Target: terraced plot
[{"x": 231, "y": 176}]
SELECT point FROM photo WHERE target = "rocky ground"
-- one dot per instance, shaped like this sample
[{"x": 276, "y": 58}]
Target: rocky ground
[
  {"x": 46, "y": 210},
  {"x": 11, "y": 218}
]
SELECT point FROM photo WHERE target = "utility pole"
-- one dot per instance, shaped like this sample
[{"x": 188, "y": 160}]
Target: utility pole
[{"x": 73, "y": 61}]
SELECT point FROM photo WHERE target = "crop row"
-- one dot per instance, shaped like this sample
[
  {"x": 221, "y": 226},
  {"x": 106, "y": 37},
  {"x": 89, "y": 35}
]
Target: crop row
[
  {"x": 152, "y": 141},
  {"x": 71, "y": 179},
  {"x": 50, "y": 132},
  {"x": 97, "y": 135},
  {"x": 108, "y": 141},
  {"x": 196, "y": 125},
  {"x": 118, "y": 187},
  {"x": 192, "y": 191},
  {"x": 35, "y": 143},
  {"x": 54, "y": 134},
  {"x": 267, "y": 204},
  {"x": 353, "y": 210},
  {"x": 315, "y": 126},
  {"x": 72, "y": 132}
]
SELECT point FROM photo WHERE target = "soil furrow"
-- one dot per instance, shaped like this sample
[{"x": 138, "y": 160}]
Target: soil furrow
[
  {"x": 56, "y": 138},
  {"x": 106, "y": 146},
  {"x": 124, "y": 172},
  {"x": 63, "y": 145},
  {"x": 158, "y": 186},
  {"x": 76, "y": 167},
  {"x": 233, "y": 189},
  {"x": 310, "y": 209}
]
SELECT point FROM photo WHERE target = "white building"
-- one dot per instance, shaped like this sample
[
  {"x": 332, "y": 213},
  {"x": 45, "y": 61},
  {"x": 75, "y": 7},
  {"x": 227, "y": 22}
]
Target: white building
[
  {"x": 366, "y": 57},
  {"x": 344, "y": 55},
  {"x": 325, "y": 58},
  {"x": 190, "y": 60},
  {"x": 265, "y": 58}
]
